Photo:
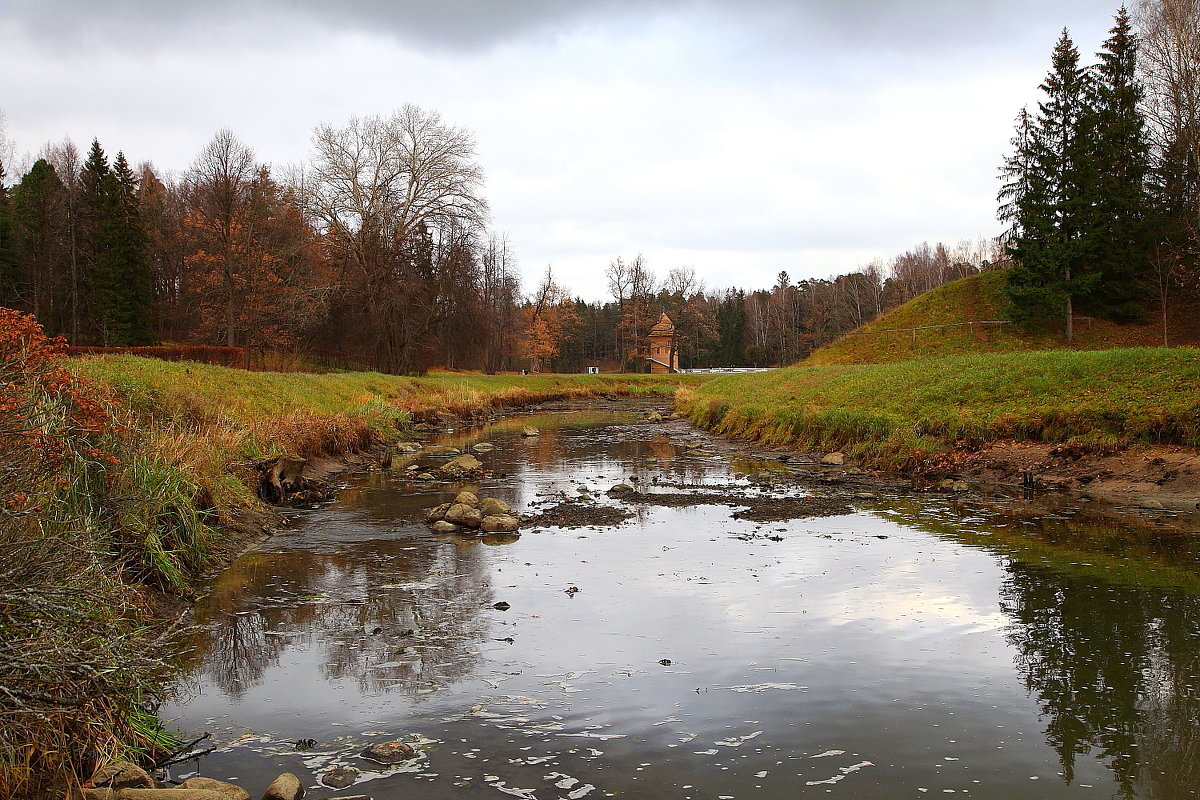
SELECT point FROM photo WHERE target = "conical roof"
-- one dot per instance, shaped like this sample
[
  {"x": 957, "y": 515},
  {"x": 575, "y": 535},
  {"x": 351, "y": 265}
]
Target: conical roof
[{"x": 664, "y": 326}]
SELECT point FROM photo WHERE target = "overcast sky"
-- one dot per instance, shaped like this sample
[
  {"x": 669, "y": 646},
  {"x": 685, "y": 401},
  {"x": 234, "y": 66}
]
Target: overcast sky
[{"x": 740, "y": 138}]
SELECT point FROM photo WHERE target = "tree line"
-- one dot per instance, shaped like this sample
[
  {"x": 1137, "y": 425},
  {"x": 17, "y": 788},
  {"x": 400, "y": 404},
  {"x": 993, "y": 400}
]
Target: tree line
[
  {"x": 1101, "y": 192},
  {"x": 376, "y": 253}
]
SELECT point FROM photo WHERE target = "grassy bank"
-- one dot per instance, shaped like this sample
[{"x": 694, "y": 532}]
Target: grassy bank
[
  {"x": 907, "y": 413},
  {"x": 211, "y": 421},
  {"x": 120, "y": 478}
]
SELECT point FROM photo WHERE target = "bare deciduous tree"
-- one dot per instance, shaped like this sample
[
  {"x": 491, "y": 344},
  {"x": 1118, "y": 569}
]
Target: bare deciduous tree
[{"x": 382, "y": 190}]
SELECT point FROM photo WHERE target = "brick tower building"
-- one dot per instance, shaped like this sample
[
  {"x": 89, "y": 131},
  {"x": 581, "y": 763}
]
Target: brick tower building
[{"x": 663, "y": 355}]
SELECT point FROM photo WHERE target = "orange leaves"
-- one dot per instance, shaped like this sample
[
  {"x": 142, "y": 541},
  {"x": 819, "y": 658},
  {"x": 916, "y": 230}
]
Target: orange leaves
[{"x": 47, "y": 415}]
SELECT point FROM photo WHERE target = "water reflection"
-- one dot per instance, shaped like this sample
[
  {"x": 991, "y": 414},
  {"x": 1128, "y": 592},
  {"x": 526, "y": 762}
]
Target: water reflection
[
  {"x": 391, "y": 616},
  {"x": 715, "y": 652},
  {"x": 1114, "y": 669},
  {"x": 1104, "y": 636}
]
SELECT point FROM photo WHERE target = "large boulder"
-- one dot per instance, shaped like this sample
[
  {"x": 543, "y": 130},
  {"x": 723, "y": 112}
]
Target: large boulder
[
  {"x": 285, "y": 787},
  {"x": 437, "y": 512},
  {"x": 499, "y": 523},
  {"x": 122, "y": 775},
  {"x": 461, "y": 466},
  {"x": 467, "y": 499},
  {"x": 227, "y": 790},
  {"x": 463, "y": 514},
  {"x": 178, "y": 793},
  {"x": 491, "y": 506},
  {"x": 340, "y": 777},
  {"x": 389, "y": 752}
]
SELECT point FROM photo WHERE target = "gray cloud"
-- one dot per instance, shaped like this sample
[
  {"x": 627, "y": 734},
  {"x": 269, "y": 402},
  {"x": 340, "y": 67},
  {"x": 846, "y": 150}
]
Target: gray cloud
[{"x": 918, "y": 26}]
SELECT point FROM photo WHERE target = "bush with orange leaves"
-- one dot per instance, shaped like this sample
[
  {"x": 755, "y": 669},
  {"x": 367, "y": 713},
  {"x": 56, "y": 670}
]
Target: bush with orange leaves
[{"x": 76, "y": 668}]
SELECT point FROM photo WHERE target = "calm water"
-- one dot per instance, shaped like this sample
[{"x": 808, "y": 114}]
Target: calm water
[{"x": 908, "y": 649}]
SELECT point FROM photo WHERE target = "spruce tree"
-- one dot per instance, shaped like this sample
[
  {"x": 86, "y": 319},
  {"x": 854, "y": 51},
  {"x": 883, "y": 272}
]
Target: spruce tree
[
  {"x": 123, "y": 289},
  {"x": 1046, "y": 196},
  {"x": 10, "y": 277},
  {"x": 91, "y": 180},
  {"x": 1120, "y": 150},
  {"x": 138, "y": 301},
  {"x": 38, "y": 244}
]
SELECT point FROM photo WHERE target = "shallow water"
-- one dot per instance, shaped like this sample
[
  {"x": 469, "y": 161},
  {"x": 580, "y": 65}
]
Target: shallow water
[{"x": 909, "y": 648}]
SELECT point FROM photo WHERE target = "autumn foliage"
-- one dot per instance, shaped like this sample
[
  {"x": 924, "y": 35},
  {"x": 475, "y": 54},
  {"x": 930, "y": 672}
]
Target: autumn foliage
[{"x": 72, "y": 660}]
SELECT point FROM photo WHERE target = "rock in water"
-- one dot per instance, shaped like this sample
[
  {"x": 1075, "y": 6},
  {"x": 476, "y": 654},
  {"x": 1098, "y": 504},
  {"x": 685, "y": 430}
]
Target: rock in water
[
  {"x": 490, "y": 506},
  {"x": 461, "y": 465},
  {"x": 467, "y": 499},
  {"x": 621, "y": 488},
  {"x": 441, "y": 526},
  {"x": 340, "y": 777},
  {"x": 389, "y": 752},
  {"x": 285, "y": 787},
  {"x": 529, "y": 430},
  {"x": 437, "y": 512},
  {"x": 122, "y": 775},
  {"x": 499, "y": 523},
  {"x": 462, "y": 514},
  {"x": 834, "y": 459},
  {"x": 484, "y": 447},
  {"x": 226, "y": 790}
]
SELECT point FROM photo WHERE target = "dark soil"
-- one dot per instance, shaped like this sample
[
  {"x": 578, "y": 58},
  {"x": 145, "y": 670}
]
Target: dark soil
[
  {"x": 778, "y": 510},
  {"x": 574, "y": 514},
  {"x": 757, "y": 509}
]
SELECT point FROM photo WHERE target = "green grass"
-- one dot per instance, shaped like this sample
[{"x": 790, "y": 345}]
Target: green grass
[
  {"x": 904, "y": 412},
  {"x": 976, "y": 298},
  {"x": 205, "y": 425},
  {"x": 204, "y": 390}
]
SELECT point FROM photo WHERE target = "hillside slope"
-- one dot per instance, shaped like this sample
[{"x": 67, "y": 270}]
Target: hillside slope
[{"x": 907, "y": 332}]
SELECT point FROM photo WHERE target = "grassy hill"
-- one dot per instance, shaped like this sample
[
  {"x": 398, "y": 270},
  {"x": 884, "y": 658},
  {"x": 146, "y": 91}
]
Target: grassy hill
[
  {"x": 902, "y": 413},
  {"x": 980, "y": 297}
]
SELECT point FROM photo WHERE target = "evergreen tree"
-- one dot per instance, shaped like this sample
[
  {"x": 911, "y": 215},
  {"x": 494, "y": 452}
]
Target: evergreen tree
[
  {"x": 38, "y": 245},
  {"x": 1119, "y": 146},
  {"x": 1050, "y": 199},
  {"x": 9, "y": 274},
  {"x": 122, "y": 283},
  {"x": 135, "y": 257},
  {"x": 91, "y": 180}
]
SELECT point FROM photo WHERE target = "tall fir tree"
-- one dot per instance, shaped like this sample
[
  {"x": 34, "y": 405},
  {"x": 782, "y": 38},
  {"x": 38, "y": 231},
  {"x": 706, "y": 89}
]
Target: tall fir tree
[
  {"x": 91, "y": 181},
  {"x": 122, "y": 284},
  {"x": 1120, "y": 149},
  {"x": 9, "y": 274},
  {"x": 1047, "y": 193},
  {"x": 38, "y": 244}
]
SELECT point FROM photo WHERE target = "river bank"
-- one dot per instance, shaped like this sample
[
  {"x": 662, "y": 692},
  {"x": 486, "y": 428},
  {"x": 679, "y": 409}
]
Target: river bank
[
  {"x": 190, "y": 447},
  {"x": 127, "y": 481},
  {"x": 850, "y": 627}
]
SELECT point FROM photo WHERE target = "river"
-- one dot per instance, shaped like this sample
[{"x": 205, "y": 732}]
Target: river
[{"x": 911, "y": 646}]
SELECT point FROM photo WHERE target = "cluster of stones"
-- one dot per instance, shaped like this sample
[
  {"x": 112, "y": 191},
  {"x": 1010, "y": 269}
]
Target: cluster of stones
[
  {"x": 123, "y": 780},
  {"x": 386, "y": 753},
  {"x": 469, "y": 512}
]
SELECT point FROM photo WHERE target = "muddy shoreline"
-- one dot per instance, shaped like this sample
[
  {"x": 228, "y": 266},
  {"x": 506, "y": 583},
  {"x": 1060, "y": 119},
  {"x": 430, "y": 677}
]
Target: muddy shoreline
[{"x": 1141, "y": 486}]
